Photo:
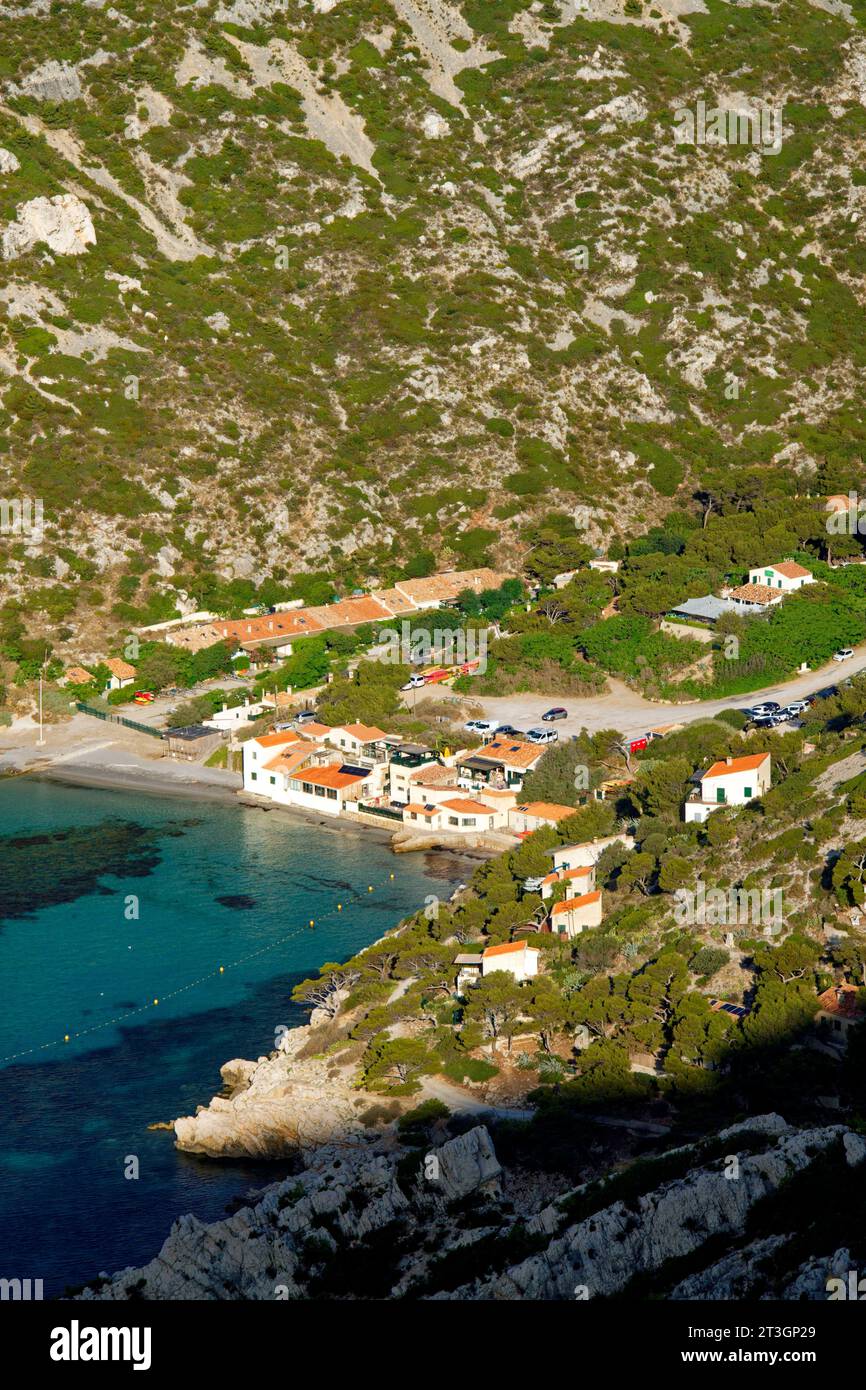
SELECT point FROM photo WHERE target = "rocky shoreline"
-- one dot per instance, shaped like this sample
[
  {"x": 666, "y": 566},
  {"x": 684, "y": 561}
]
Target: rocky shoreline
[
  {"x": 277, "y": 1106},
  {"x": 374, "y": 1217}
]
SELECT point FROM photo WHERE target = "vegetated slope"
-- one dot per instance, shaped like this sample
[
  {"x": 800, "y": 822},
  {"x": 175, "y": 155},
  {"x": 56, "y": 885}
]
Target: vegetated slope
[{"x": 292, "y": 286}]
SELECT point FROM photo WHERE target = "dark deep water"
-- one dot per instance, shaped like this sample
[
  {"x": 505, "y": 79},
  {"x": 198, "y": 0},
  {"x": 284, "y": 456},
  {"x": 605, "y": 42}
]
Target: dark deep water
[{"x": 215, "y": 885}]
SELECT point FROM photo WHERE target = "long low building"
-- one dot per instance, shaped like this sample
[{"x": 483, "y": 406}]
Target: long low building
[{"x": 278, "y": 631}]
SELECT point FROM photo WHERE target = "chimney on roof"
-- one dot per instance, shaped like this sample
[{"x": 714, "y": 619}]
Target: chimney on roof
[
  {"x": 729, "y": 760},
  {"x": 270, "y": 627}
]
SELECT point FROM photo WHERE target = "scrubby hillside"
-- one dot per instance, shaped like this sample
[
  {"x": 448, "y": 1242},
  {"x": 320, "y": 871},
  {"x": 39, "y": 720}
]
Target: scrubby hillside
[{"x": 327, "y": 286}]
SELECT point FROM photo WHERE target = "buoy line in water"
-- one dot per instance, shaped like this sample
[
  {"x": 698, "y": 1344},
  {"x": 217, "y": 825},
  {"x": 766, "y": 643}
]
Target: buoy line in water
[{"x": 181, "y": 989}]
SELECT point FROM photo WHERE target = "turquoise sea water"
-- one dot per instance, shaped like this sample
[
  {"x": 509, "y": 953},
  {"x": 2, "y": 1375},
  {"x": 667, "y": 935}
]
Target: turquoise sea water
[{"x": 108, "y": 902}]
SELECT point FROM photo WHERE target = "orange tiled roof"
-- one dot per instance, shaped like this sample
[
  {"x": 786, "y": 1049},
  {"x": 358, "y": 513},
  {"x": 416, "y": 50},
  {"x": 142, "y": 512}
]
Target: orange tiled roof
[
  {"x": 791, "y": 570},
  {"x": 393, "y": 599},
  {"x": 434, "y": 775},
  {"x": 421, "y": 810},
  {"x": 568, "y": 904},
  {"x": 755, "y": 593},
  {"x": 443, "y": 588},
  {"x": 552, "y": 810},
  {"x": 121, "y": 669},
  {"x": 332, "y": 777},
  {"x": 274, "y": 740},
  {"x": 292, "y": 757},
  {"x": 509, "y": 751},
  {"x": 564, "y": 875},
  {"x": 349, "y": 612},
  {"x": 467, "y": 806},
  {"x": 299, "y": 623},
  {"x": 78, "y": 675},
  {"x": 842, "y": 1001},
  {"x": 747, "y": 764},
  {"x": 507, "y": 948},
  {"x": 316, "y": 730},
  {"x": 367, "y": 733}
]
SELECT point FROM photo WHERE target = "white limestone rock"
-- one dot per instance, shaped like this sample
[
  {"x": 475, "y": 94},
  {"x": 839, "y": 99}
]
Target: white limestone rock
[
  {"x": 52, "y": 81},
  {"x": 8, "y": 162},
  {"x": 63, "y": 223}
]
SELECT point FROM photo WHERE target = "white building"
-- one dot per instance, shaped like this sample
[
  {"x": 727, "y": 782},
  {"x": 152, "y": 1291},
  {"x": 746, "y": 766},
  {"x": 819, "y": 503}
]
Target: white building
[
  {"x": 573, "y": 915},
  {"x": 268, "y": 759},
  {"x": 516, "y": 957},
  {"x": 730, "y": 782},
  {"x": 406, "y": 767},
  {"x": 227, "y": 719},
  {"x": 575, "y": 856},
  {"x": 459, "y": 815},
  {"x": 358, "y": 740},
  {"x": 331, "y": 790},
  {"x": 122, "y": 674},
  {"x": 580, "y": 879},
  {"x": 532, "y": 815},
  {"x": 753, "y": 598},
  {"x": 788, "y": 576}
]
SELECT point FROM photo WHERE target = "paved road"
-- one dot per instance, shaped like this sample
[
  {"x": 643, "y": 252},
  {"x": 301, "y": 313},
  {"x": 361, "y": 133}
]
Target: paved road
[{"x": 623, "y": 709}]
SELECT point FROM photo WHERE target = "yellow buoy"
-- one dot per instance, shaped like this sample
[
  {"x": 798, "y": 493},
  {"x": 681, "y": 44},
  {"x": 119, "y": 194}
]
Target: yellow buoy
[
  {"x": 339, "y": 907},
  {"x": 370, "y": 889},
  {"x": 222, "y": 970},
  {"x": 391, "y": 875},
  {"x": 156, "y": 1001},
  {"x": 312, "y": 923},
  {"x": 66, "y": 1037}
]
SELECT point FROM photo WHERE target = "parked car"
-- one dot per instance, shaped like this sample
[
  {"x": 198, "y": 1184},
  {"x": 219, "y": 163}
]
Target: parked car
[
  {"x": 414, "y": 683},
  {"x": 558, "y": 712},
  {"x": 770, "y": 721},
  {"x": 827, "y": 693},
  {"x": 542, "y": 736},
  {"x": 797, "y": 707},
  {"x": 766, "y": 707},
  {"x": 305, "y": 716},
  {"x": 843, "y": 654},
  {"x": 482, "y": 726},
  {"x": 508, "y": 731}
]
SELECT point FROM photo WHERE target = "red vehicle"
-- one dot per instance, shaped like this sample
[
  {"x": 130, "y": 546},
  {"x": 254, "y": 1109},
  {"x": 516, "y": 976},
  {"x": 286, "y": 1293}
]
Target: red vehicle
[
  {"x": 637, "y": 744},
  {"x": 439, "y": 673}
]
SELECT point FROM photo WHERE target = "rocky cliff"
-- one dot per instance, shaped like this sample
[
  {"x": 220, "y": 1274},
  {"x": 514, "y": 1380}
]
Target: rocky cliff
[
  {"x": 373, "y": 1218},
  {"x": 277, "y": 1105}
]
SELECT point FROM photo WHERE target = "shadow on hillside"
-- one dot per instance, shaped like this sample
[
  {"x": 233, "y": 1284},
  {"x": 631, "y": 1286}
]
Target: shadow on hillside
[{"x": 807, "y": 1087}]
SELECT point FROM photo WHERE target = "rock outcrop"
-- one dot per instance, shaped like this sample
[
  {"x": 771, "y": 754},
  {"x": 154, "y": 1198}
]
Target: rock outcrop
[
  {"x": 277, "y": 1105},
  {"x": 62, "y": 222},
  {"x": 291, "y": 1241},
  {"x": 372, "y": 1218}
]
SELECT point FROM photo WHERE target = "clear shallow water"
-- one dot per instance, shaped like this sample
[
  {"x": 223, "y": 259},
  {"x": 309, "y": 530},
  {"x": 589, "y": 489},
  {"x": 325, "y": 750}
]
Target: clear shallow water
[{"x": 81, "y": 966}]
